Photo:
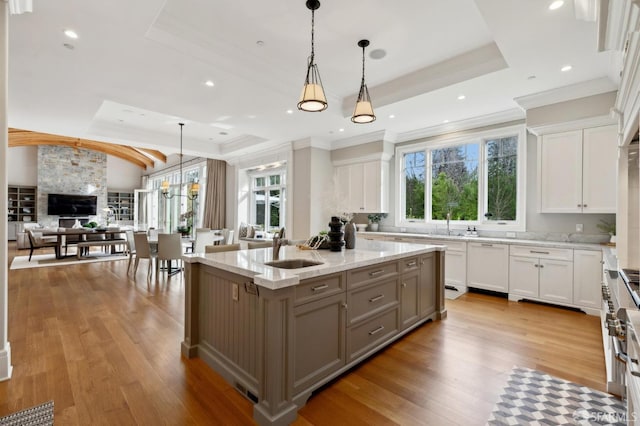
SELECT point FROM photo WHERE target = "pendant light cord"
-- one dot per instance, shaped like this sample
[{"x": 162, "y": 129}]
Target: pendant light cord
[
  {"x": 362, "y": 83},
  {"x": 313, "y": 15}
]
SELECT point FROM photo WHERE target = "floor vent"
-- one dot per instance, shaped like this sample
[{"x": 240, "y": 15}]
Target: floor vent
[{"x": 247, "y": 393}]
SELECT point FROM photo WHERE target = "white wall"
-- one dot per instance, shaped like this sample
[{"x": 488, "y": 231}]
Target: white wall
[{"x": 22, "y": 169}]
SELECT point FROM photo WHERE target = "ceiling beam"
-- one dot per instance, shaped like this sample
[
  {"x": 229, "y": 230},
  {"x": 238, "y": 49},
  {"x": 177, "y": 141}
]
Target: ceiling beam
[{"x": 19, "y": 137}]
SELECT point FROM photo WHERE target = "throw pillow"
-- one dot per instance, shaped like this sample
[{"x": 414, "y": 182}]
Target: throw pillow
[{"x": 242, "y": 232}]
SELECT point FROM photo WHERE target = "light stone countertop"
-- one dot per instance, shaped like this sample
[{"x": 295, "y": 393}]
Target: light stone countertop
[
  {"x": 251, "y": 263},
  {"x": 515, "y": 241}
]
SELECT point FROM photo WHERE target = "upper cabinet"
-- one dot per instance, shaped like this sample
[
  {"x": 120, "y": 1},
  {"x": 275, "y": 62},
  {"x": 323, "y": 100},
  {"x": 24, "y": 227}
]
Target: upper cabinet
[
  {"x": 363, "y": 186},
  {"x": 577, "y": 171}
]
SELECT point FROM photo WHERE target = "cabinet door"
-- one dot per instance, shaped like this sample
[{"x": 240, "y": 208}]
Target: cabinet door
[
  {"x": 343, "y": 188},
  {"x": 488, "y": 266},
  {"x": 560, "y": 173},
  {"x": 455, "y": 268},
  {"x": 587, "y": 278},
  {"x": 409, "y": 299},
  {"x": 599, "y": 169},
  {"x": 556, "y": 281},
  {"x": 357, "y": 184},
  {"x": 319, "y": 340},
  {"x": 427, "y": 285},
  {"x": 523, "y": 276}
]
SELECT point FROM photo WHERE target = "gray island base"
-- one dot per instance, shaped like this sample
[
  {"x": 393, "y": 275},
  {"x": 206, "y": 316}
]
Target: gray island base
[{"x": 279, "y": 334}]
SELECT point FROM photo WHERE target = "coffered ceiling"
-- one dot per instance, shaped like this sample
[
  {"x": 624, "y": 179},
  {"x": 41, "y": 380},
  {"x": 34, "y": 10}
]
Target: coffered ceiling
[{"x": 139, "y": 67}]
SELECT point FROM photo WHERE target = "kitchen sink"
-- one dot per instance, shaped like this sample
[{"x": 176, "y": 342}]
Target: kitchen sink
[{"x": 292, "y": 263}]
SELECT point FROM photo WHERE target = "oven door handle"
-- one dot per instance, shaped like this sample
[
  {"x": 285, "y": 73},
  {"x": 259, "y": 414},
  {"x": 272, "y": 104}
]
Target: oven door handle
[{"x": 620, "y": 356}]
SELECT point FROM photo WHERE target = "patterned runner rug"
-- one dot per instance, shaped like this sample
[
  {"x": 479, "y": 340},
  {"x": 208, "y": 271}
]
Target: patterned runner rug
[
  {"x": 40, "y": 415},
  {"x": 535, "y": 398}
]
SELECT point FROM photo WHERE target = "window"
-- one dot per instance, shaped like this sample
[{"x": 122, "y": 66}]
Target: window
[
  {"x": 475, "y": 180},
  {"x": 267, "y": 199}
]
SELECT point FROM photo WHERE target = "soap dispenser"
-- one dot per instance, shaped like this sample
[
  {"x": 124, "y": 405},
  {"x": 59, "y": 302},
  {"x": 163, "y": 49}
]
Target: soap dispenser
[{"x": 474, "y": 232}]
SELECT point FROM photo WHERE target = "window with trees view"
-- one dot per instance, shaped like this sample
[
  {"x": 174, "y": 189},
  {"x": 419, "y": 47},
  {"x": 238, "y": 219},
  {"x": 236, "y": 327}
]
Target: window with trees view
[
  {"x": 268, "y": 200},
  {"x": 475, "y": 180}
]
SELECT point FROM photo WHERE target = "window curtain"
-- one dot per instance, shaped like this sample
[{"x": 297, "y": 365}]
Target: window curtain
[{"x": 215, "y": 204}]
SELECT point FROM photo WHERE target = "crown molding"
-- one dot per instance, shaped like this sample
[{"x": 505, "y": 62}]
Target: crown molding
[
  {"x": 566, "y": 93},
  {"x": 567, "y": 126},
  {"x": 311, "y": 143},
  {"x": 380, "y": 135},
  {"x": 456, "y": 126}
]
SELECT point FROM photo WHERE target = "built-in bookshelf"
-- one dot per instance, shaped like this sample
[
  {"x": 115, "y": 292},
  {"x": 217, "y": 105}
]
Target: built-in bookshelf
[
  {"x": 21, "y": 204},
  {"x": 122, "y": 205}
]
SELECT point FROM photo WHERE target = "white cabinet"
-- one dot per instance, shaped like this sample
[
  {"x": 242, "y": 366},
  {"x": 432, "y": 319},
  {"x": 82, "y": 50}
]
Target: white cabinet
[
  {"x": 363, "y": 186},
  {"x": 577, "y": 171},
  {"x": 541, "y": 273},
  {"x": 587, "y": 278},
  {"x": 488, "y": 266},
  {"x": 455, "y": 264}
]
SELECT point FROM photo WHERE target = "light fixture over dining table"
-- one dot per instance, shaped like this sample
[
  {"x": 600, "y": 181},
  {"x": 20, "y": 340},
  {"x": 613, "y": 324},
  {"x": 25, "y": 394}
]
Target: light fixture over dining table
[{"x": 194, "y": 188}]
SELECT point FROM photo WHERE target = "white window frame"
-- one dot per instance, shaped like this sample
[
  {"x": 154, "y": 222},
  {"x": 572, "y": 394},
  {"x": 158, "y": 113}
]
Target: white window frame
[
  {"x": 481, "y": 223},
  {"x": 282, "y": 187}
]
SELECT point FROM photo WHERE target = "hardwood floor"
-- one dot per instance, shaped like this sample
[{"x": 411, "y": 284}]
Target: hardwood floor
[{"x": 106, "y": 348}]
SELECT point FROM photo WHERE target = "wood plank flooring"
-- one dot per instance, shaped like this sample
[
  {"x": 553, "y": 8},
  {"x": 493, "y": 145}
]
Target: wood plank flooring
[{"x": 106, "y": 348}]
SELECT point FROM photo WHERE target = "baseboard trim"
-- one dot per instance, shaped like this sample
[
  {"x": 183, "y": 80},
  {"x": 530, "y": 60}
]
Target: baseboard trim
[{"x": 5, "y": 363}]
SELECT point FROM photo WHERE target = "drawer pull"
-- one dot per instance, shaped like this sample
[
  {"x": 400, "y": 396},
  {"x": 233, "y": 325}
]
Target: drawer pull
[
  {"x": 376, "y": 273},
  {"x": 412, "y": 263},
  {"x": 398, "y": 238},
  {"x": 404, "y": 285},
  {"x": 537, "y": 266},
  {"x": 539, "y": 252},
  {"x": 319, "y": 287},
  {"x": 376, "y": 331},
  {"x": 486, "y": 245},
  {"x": 376, "y": 298}
]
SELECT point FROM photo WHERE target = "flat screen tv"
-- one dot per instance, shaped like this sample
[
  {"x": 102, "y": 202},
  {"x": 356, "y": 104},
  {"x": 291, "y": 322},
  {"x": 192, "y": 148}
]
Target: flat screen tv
[{"x": 72, "y": 205}]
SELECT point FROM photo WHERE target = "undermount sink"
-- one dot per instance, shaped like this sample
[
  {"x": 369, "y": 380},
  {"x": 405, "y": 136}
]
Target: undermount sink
[{"x": 292, "y": 263}]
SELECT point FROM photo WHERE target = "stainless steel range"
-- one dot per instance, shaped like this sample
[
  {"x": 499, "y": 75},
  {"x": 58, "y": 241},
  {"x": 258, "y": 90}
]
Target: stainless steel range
[{"x": 620, "y": 292}]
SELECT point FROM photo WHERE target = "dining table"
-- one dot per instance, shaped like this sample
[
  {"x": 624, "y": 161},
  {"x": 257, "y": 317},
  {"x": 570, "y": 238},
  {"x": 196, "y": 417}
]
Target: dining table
[{"x": 110, "y": 234}]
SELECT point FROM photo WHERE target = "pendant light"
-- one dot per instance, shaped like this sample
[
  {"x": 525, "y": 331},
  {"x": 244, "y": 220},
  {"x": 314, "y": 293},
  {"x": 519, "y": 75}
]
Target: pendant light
[
  {"x": 363, "y": 112},
  {"x": 312, "y": 98},
  {"x": 194, "y": 188}
]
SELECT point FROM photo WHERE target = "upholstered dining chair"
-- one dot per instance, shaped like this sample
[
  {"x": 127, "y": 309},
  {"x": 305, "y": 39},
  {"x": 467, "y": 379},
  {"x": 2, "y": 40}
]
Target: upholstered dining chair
[
  {"x": 36, "y": 241},
  {"x": 203, "y": 238},
  {"x": 143, "y": 251},
  {"x": 169, "y": 248},
  {"x": 227, "y": 235},
  {"x": 259, "y": 244},
  {"x": 224, "y": 247},
  {"x": 131, "y": 247}
]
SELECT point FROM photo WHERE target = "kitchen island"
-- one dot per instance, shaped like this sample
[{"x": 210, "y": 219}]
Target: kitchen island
[{"x": 278, "y": 334}]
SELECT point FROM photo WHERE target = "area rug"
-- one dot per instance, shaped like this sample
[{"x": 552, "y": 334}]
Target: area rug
[
  {"x": 40, "y": 415},
  {"x": 42, "y": 260},
  {"x": 535, "y": 398}
]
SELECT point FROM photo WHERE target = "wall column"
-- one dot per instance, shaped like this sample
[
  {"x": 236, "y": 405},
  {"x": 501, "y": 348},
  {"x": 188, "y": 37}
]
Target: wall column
[{"x": 5, "y": 347}]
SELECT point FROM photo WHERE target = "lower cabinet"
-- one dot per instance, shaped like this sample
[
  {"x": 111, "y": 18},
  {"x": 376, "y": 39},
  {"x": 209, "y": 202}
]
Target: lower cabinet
[
  {"x": 587, "y": 278},
  {"x": 488, "y": 266},
  {"x": 427, "y": 285},
  {"x": 541, "y": 273}
]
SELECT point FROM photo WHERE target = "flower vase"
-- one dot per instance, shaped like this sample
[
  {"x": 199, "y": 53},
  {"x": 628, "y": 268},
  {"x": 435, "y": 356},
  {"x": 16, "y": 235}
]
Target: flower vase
[
  {"x": 373, "y": 227},
  {"x": 350, "y": 235}
]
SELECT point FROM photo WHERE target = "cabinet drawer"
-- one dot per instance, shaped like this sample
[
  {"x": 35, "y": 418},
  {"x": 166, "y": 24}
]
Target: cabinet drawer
[
  {"x": 451, "y": 245},
  {"x": 542, "y": 252},
  {"x": 368, "y": 300},
  {"x": 409, "y": 264},
  {"x": 368, "y": 274},
  {"x": 317, "y": 288},
  {"x": 366, "y": 336}
]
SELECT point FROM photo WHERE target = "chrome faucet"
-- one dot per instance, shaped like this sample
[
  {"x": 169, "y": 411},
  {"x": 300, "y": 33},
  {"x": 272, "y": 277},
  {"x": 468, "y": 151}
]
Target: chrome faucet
[{"x": 278, "y": 241}]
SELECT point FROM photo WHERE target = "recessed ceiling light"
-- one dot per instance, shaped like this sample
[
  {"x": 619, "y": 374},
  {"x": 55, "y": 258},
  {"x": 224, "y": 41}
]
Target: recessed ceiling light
[
  {"x": 392, "y": 116},
  {"x": 69, "y": 46},
  {"x": 377, "y": 54},
  {"x": 531, "y": 77},
  {"x": 566, "y": 68},
  {"x": 445, "y": 121},
  {"x": 209, "y": 83},
  {"x": 252, "y": 116},
  {"x": 289, "y": 111},
  {"x": 557, "y": 4},
  {"x": 223, "y": 133},
  {"x": 341, "y": 130},
  {"x": 71, "y": 34},
  {"x": 260, "y": 43},
  {"x": 461, "y": 97}
]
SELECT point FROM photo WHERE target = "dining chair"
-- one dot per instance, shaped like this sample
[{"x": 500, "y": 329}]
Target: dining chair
[
  {"x": 259, "y": 244},
  {"x": 202, "y": 230},
  {"x": 36, "y": 241},
  {"x": 143, "y": 251},
  {"x": 224, "y": 247},
  {"x": 203, "y": 238},
  {"x": 169, "y": 248},
  {"x": 131, "y": 246},
  {"x": 229, "y": 236}
]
